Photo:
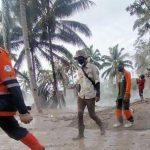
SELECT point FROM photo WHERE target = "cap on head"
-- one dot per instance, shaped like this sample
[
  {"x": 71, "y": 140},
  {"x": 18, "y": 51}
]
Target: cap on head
[{"x": 80, "y": 53}]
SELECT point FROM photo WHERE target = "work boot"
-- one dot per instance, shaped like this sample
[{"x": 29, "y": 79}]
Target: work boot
[
  {"x": 102, "y": 129},
  {"x": 142, "y": 98},
  {"x": 81, "y": 134}
]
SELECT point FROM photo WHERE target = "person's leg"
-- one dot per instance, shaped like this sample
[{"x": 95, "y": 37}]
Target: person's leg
[
  {"x": 91, "y": 109},
  {"x": 128, "y": 113},
  {"x": 13, "y": 130},
  {"x": 118, "y": 113},
  {"x": 141, "y": 95},
  {"x": 81, "y": 107}
]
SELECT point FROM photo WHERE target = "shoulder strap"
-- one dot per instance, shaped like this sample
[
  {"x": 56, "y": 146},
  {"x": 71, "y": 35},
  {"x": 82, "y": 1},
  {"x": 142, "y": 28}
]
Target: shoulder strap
[{"x": 88, "y": 77}]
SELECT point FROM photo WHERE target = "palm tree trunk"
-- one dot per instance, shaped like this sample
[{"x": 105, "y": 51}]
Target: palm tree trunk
[
  {"x": 33, "y": 63},
  {"x": 28, "y": 56},
  {"x": 6, "y": 24},
  {"x": 53, "y": 69}
]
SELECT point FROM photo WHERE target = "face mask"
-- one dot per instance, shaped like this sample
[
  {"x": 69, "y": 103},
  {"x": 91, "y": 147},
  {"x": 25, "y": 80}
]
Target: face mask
[
  {"x": 81, "y": 60},
  {"x": 120, "y": 68}
]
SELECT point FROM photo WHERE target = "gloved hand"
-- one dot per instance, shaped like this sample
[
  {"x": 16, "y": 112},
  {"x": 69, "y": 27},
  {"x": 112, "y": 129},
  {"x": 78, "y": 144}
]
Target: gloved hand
[
  {"x": 126, "y": 97},
  {"x": 26, "y": 118},
  {"x": 97, "y": 98}
]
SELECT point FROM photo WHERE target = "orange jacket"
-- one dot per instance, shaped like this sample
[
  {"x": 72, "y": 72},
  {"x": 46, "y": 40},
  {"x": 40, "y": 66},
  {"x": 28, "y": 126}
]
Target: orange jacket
[
  {"x": 11, "y": 98},
  {"x": 124, "y": 85}
]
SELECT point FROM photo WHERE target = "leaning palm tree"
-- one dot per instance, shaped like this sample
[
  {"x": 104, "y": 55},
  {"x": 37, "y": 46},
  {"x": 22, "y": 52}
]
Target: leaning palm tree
[
  {"x": 111, "y": 61},
  {"x": 28, "y": 56}
]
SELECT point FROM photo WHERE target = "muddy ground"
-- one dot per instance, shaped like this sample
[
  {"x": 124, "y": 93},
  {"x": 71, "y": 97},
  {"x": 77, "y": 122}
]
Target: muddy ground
[{"x": 55, "y": 129}]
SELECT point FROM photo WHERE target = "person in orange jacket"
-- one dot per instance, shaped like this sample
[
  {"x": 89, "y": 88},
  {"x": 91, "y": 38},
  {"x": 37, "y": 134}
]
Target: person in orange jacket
[
  {"x": 11, "y": 100},
  {"x": 123, "y": 99}
]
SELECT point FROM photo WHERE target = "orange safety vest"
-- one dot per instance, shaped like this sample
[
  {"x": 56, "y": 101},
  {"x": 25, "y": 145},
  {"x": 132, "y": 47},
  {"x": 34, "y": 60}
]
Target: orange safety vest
[{"x": 6, "y": 73}]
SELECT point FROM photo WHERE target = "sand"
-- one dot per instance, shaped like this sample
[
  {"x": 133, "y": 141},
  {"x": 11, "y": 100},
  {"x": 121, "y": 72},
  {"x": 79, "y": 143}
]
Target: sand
[{"x": 55, "y": 129}]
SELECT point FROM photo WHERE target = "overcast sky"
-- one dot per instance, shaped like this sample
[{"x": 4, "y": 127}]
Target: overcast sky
[{"x": 110, "y": 25}]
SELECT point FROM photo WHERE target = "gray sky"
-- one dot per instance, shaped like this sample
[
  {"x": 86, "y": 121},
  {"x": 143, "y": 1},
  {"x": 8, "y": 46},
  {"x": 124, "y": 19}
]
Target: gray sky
[{"x": 110, "y": 24}]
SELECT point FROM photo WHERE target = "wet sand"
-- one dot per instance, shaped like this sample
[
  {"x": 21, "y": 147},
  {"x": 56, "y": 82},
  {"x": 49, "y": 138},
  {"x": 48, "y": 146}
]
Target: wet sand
[{"x": 55, "y": 129}]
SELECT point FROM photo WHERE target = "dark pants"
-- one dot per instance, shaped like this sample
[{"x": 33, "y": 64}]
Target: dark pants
[
  {"x": 90, "y": 103},
  {"x": 11, "y": 127},
  {"x": 123, "y": 106},
  {"x": 140, "y": 92}
]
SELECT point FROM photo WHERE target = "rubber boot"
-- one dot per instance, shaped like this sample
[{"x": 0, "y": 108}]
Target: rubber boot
[
  {"x": 31, "y": 141},
  {"x": 142, "y": 98},
  {"x": 102, "y": 129},
  {"x": 81, "y": 134}
]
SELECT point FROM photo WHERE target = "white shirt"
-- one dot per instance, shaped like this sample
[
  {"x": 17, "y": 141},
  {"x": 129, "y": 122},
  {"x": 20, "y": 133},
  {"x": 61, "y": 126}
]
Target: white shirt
[{"x": 87, "y": 89}]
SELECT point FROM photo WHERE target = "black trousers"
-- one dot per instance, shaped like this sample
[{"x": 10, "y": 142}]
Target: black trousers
[
  {"x": 140, "y": 92},
  {"x": 10, "y": 126}
]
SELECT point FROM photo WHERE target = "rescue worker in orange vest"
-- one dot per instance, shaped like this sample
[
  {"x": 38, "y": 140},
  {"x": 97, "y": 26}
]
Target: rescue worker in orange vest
[
  {"x": 123, "y": 99},
  {"x": 11, "y": 100}
]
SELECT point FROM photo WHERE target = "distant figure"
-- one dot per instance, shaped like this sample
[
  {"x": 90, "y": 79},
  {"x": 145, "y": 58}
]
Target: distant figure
[
  {"x": 88, "y": 92},
  {"x": 11, "y": 100},
  {"x": 141, "y": 85},
  {"x": 123, "y": 99}
]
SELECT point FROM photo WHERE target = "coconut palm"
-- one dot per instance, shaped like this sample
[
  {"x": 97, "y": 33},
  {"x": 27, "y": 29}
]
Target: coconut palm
[
  {"x": 46, "y": 25},
  {"x": 95, "y": 56},
  {"x": 141, "y": 8},
  {"x": 28, "y": 56},
  {"x": 45, "y": 83},
  {"x": 142, "y": 56},
  {"x": 24, "y": 81},
  {"x": 54, "y": 27},
  {"x": 111, "y": 61}
]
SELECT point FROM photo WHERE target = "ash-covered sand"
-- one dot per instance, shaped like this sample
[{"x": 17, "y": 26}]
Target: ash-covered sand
[{"x": 56, "y": 128}]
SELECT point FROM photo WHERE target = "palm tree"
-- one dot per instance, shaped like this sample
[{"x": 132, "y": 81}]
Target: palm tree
[
  {"x": 45, "y": 83},
  {"x": 141, "y": 8},
  {"x": 48, "y": 26},
  {"x": 142, "y": 56},
  {"x": 28, "y": 56},
  {"x": 111, "y": 61},
  {"x": 6, "y": 24},
  {"x": 56, "y": 28},
  {"x": 95, "y": 56},
  {"x": 24, "y": 81}
]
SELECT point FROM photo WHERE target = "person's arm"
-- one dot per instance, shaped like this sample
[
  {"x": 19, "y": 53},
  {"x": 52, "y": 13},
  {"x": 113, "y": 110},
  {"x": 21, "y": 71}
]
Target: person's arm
[
  {"x": 96, "y": 80},
  {"x": 128, "y": 84},
  {"x": 14, "y": 89}
]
